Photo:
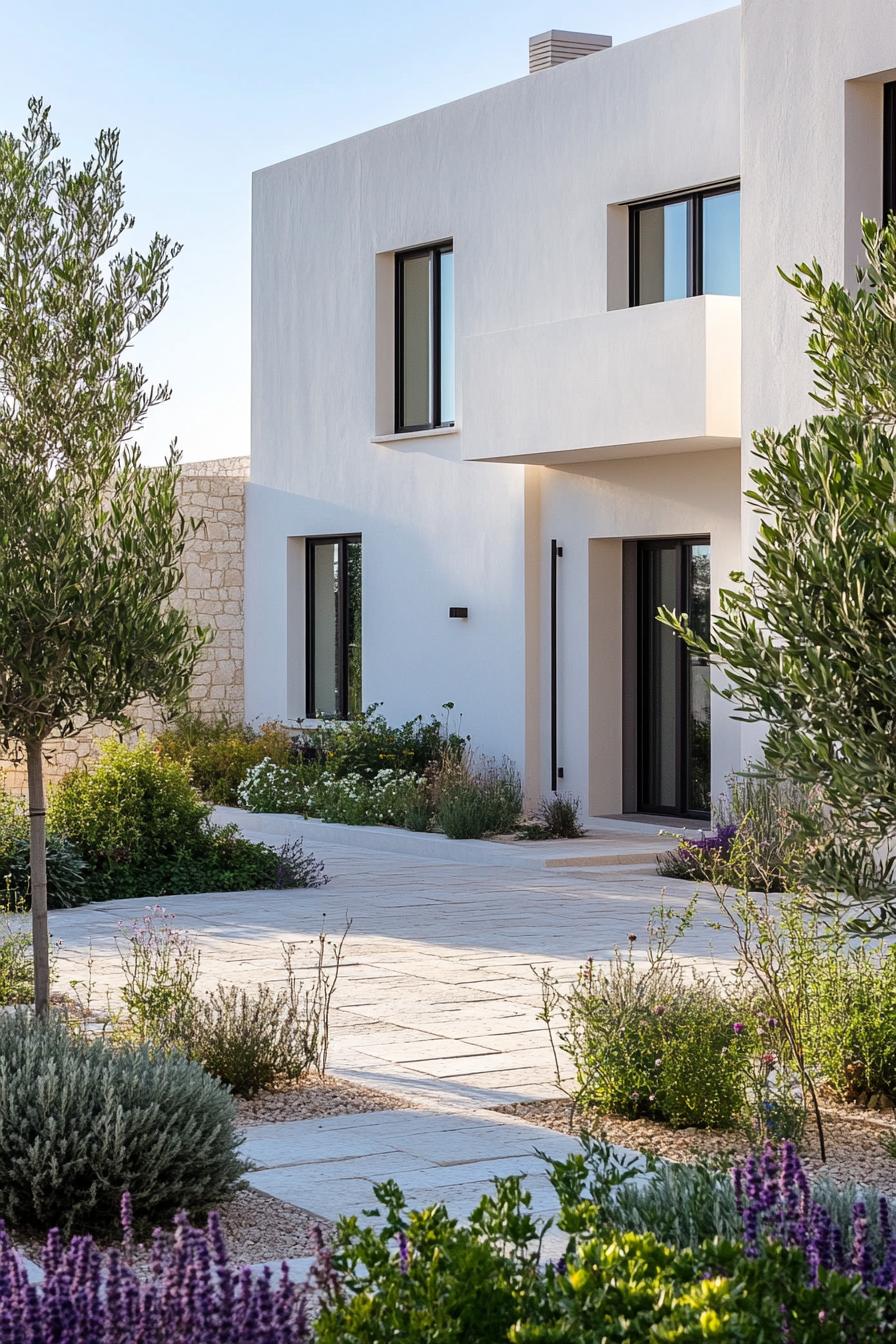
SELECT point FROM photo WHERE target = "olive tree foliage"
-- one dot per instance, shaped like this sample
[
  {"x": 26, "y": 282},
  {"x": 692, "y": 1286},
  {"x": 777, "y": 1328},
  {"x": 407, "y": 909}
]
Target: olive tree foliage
[
  {"x": 91, "y": 542},
  {"x": 807, "y": 639}
]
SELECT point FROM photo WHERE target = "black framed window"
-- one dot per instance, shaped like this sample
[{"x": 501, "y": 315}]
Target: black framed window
[
  {"x": 333, "y": 627},
  {"x": 424, "y": 338},
  {"x": 685, "y": 245},
  {"x": 889, "y": 201}
]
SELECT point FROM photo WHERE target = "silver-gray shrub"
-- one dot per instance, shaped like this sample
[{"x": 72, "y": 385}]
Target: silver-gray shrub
[
  {"x": 686, "y": 1203},
  {"x": 82, "y": 1121},
  {"x": 477, "y": 797}
]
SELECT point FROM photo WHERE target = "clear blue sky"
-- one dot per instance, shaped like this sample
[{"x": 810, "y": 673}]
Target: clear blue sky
[{"x": 204, "y": 92}]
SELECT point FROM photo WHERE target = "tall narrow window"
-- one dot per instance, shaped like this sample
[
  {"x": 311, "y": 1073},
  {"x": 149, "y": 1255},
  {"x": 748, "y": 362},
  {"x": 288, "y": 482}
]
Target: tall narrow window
[
  {"x": 424, "y": 329},
  {"x": 333, "y": 627},
  {"x": 673, "y": 683},
  {"x": 889, "y": 149},
  {"x": 685, "y": 245}
]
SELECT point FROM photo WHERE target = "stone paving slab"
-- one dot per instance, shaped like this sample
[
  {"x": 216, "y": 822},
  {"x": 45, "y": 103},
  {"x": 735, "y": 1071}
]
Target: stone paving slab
[
  {"x": 442, "y": 952},
  {"x": 331, "y": 1166}
]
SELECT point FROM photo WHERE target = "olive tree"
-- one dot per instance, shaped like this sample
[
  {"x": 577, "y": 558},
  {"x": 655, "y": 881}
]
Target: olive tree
[
  {"x": 807, "y": 638},
  {"x": 91, "y": 542}
]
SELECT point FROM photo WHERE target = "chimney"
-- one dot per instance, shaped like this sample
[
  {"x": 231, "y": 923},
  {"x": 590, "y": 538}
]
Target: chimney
[{"x": 556, "y": 46}]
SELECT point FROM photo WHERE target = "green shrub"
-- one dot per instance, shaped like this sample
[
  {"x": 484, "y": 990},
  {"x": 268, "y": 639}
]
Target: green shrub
[
  {"x": 145, "y": 832},
  {"x": 655, "y": 1040},
  {"x": 476, "y": 799},
  {"x": 219, "y": 752},
  {"x": 82, "y": 1121},
  {"x": 852, "y": 1015},
  {"x": 65, "y": 866},
  {"x": 366, "y": 745},
  {"x": 665, "y": 1049},
  {"x": 426, "y": 1276},
  {"x": 559, "y": 816},
  {"x": 16, "y": 971},
  {"x": 423, "y": 1276},
  {"x": 251, "y": 1039},
  {"x": 134, "y": 817}
]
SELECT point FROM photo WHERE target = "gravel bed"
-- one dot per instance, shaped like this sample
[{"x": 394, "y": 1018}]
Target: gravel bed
[
  {"x": 315, "y": 1098},
  {"x": 260, "y": 1227},
  {"x": 852, "y": 1136},
  {"x": 257, "y": 1227}
]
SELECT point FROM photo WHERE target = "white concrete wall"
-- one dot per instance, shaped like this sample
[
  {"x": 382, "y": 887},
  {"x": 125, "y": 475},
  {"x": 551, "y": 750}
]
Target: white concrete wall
[
  {"x": 529, "y": 179},
  {"x": 812, "y": 129}
]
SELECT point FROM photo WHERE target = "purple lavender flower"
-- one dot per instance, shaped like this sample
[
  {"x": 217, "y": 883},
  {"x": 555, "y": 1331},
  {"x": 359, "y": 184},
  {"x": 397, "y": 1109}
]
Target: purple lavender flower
[
  {"x": 861, "y": 1251},
  {"x": 774, "y": 1199},
  {"x": 720, "y": 839},
  {"x": 192, "y": 1294}
]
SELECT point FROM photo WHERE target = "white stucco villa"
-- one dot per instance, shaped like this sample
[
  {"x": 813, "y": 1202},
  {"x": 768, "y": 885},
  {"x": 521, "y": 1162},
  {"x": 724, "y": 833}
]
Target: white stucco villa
[{"x": 507, "y": 356}]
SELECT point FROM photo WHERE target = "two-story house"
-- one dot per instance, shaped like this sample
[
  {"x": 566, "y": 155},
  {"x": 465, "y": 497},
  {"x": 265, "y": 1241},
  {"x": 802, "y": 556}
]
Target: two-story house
[{"x": 507, "y": 356}]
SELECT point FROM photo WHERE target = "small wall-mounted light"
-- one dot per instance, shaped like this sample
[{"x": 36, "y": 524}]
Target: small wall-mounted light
[{"x": 461, "y": 613}]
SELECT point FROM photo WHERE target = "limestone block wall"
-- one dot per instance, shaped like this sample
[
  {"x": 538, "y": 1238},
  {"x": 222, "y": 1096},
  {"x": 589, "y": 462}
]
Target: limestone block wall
[{"x": 212, "y": 493}]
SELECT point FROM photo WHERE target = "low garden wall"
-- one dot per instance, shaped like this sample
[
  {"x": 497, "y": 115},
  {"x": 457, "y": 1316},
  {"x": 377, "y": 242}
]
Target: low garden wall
[{"x": 214, "y": 493}]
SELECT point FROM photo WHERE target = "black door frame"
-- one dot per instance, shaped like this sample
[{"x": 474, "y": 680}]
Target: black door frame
[
  {"x": 341, "y": 541},
  {"x": 683, "y": 546}
]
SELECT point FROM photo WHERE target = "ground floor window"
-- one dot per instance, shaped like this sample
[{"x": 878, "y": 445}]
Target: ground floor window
[
  {"x": 673, "y": 683},
  {"x": 333, "y": 627}
]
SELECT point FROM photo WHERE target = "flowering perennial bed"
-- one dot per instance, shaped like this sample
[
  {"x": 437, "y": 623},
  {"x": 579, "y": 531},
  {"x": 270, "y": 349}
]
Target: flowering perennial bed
[
  {"x": 383, "y": 800},
  {"x": 191, "y": 1293},
  {"x": 786, "y": 1267}
]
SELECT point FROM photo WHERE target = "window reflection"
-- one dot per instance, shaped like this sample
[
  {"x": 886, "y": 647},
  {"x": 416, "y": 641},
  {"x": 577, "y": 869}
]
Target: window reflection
[
  {"x": 721, "y": 243},
  {"x": 663, "y": 252}
]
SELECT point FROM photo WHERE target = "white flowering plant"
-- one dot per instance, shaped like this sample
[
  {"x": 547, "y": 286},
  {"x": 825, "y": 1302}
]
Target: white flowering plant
[
  {"x": 269, "y": 787},
  {"x": 356, "y": 801},
  {"x": 385, "y": 800}
]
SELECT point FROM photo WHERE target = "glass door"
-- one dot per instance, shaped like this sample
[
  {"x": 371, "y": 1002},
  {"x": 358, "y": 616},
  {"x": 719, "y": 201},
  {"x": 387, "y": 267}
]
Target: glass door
[{"x": 673, "y": 683}]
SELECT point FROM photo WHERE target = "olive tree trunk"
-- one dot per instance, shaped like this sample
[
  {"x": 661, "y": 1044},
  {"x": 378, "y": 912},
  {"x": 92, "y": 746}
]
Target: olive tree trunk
[{"x": 37, "y": 822}]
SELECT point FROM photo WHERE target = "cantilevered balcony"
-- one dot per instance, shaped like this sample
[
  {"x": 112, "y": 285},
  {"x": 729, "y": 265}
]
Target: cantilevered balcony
[{"x": 662, "y": 378}]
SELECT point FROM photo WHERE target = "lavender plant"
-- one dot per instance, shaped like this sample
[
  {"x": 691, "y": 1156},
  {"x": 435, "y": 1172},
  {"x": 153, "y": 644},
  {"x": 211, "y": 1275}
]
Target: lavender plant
[
  {"x": 776, "y": 1203},
  {"x": 756, "y": 823},
  {"x": 191, "y": 1293},
  {"x": 250, "y": 1040},
  {"x": 81, "y": 1121}
]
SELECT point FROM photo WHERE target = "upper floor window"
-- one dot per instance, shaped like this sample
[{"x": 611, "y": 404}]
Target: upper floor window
[
  {"x": 333, "y": 627},
  {"x": 685, "y": 245},
  {"x": 424, "y": 338},
  {"x": 889, "y": 149}
]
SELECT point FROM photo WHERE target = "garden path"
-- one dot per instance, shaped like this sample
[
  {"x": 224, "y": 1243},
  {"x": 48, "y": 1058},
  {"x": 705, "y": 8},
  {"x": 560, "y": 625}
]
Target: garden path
[{"x": 437, "y": 1002}]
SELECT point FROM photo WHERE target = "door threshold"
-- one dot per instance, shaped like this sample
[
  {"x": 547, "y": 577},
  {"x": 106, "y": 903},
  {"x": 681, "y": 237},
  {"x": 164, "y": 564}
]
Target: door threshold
[{"x": 644, "y": 821}]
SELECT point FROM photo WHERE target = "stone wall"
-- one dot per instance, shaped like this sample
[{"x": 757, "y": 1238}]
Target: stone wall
[{"x": 212, "y": 493}]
